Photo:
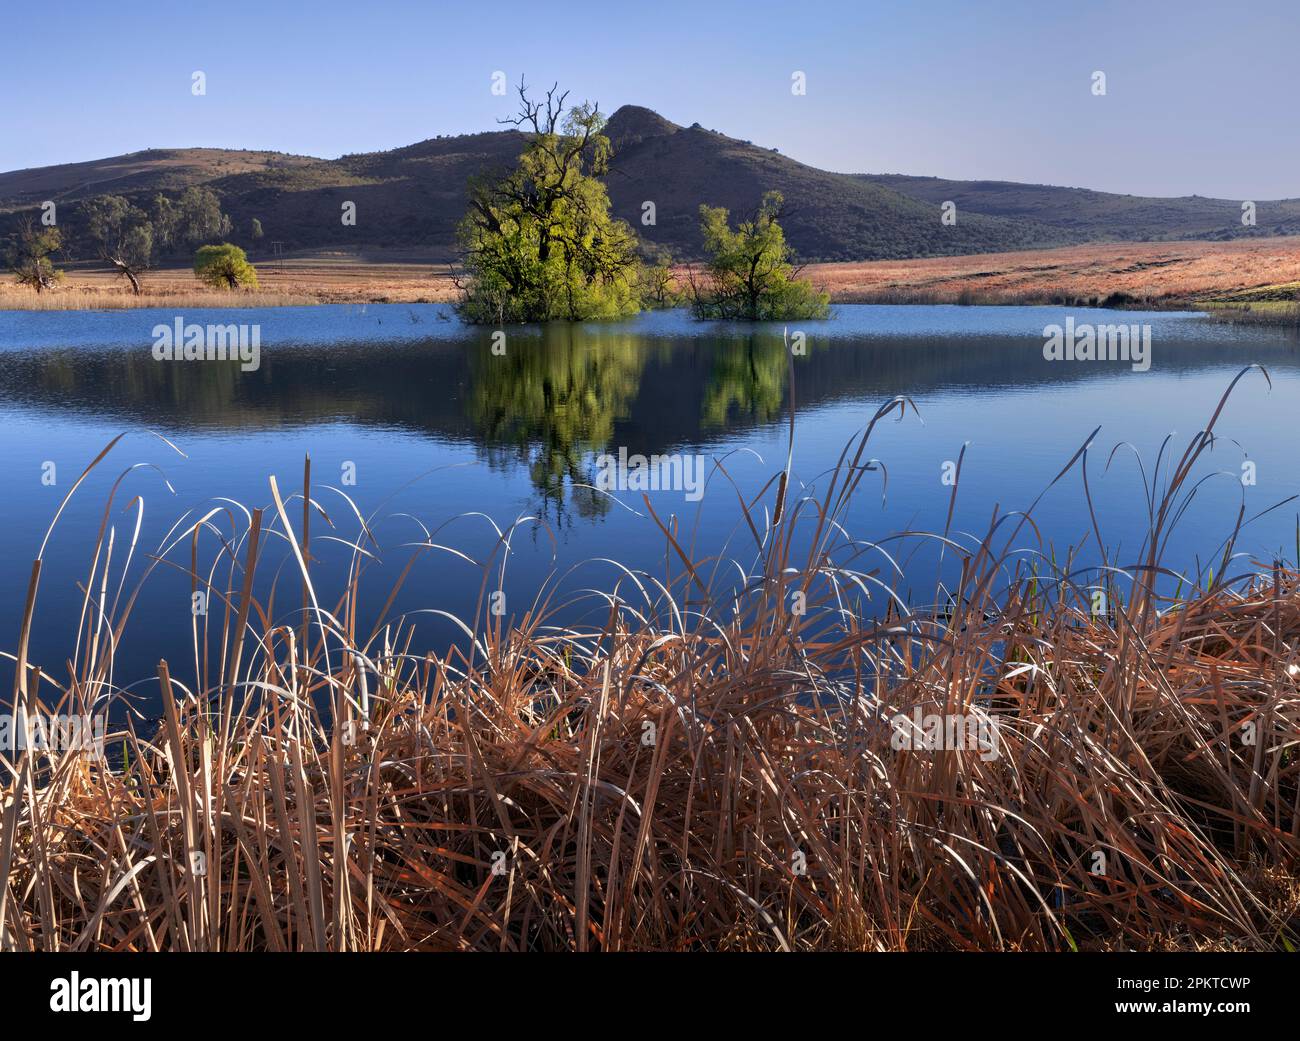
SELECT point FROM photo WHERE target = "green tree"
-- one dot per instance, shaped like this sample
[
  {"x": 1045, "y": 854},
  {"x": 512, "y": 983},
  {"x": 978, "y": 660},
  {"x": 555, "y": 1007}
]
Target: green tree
[
  {"x": 224, "y": 267},
  {"x": 256, "y": 229},
  {"x": 748, "y": 275},
  {"x": 192, "y": 219},
  {"x": 123, "y": 236},
  {"x": 29, "y": 255},
  {"x": 656, "y": 281},
  {"x": 165, "y": 216},
  {"x": 201, "y": 219},
  {"x": 540, "y": 243}
]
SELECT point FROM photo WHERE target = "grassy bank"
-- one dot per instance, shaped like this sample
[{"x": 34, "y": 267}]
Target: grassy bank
[
  {"x": 1157, "y": 275},
  {"x": 1263, "y": 305},
  {"x": 15, "y": 298},
  {"x": 323, "y": 278},
  {"x": 701, "y": 768}
]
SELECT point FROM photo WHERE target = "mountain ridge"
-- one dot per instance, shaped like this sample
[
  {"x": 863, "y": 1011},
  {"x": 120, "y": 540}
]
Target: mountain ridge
[{"x": 414, "y": 195}]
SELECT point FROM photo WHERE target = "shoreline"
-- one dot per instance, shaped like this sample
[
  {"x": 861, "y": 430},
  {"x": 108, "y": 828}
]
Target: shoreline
[{"x": 1258, "y": 279}]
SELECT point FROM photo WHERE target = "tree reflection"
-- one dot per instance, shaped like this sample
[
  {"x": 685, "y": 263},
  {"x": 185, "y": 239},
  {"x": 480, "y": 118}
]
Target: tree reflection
[{"x": 551, "y": 400}]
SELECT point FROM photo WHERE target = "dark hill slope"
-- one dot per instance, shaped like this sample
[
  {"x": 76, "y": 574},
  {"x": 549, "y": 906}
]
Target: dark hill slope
[
  {"x": 1090, "y": 215},
  {"x": 413, "y": 197},
  {"x": 829, "y": 216}
]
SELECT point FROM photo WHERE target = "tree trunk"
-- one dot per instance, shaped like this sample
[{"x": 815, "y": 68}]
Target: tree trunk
[{"x": 125, "y": 269}]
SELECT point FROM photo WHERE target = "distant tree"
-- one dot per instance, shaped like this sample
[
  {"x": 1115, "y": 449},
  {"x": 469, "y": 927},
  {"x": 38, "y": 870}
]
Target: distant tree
[
  {"x": 540, "y": 242},
  {"x": 256, "y": 230},
  {"x": 165, "y": 216},
  {"x": 200, "y": 219},
  {"x": 29, "y": 252},
  {"x": 123, "y": 236},
  {"x": 748, "y": 274},
  {"x": 656, "y": 281},
  {"x": 224, "y": 267}
]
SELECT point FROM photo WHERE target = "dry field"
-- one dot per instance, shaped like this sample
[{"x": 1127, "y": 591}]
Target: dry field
[
  {"x": 318, "y": 278},
  {"x": 1162, "y": 273},
  {"x": 1156, "y": 273}
]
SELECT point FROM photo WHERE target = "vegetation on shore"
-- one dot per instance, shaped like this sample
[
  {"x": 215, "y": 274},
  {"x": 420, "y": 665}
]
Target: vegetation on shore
[
  {"x": 130, "y": 241},
  {"x": 1156, "y": 276},
  {"x": 13, "y": 299},
  {"x": 1277, "y": 304},
  {"x": 224, "y": 267},
  {"x": 541, "y": 244},
  {"x": 30, "y": 254},
  {"x": 704, "y": 767},
  {"x": 748, "y": 275}
]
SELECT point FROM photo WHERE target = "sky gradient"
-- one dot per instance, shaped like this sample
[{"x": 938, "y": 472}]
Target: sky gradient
[{"x": 1199, "y": 95}]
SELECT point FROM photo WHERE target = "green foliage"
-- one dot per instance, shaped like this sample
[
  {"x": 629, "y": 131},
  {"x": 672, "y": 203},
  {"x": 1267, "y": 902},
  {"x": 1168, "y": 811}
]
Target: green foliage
[
  {"x": 553, "y": 399},
  {"x": 165, "y": 216},
  {"x": 201, "y": 219},
  {"x": 656, "y": 281},
  {"x": 224, "y": 267},
  {"x": 123, "y": 235},
  {"x": 256, "y": 229},
  {"x": 29, "y": 252},
  {"x": 748, "y": 379},
  {"x": 540, "y": 243},
  {"x": 192, "y": 219},
  {"x": 749, "y": 274}
]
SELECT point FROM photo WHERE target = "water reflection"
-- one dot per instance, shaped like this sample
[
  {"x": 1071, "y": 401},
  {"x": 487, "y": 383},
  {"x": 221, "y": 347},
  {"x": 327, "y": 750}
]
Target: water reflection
[
  {"x": 515, "y": 434},
  {"x": 562, "y": 393}
]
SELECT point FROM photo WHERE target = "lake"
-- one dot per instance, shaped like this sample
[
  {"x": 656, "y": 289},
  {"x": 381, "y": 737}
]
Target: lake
[{"x": 437, "y": 437}]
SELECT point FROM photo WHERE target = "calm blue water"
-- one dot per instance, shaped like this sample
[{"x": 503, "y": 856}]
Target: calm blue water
[{"x": 440, "y": 431}]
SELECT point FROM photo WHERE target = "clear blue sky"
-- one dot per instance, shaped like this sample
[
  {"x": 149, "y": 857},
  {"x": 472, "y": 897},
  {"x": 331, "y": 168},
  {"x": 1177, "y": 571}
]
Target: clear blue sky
[{"x": 1200, "y": 96}]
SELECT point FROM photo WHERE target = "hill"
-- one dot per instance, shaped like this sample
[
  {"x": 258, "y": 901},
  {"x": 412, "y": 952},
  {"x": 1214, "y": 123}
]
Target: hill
[
  {"x": 829, "y": 216},
  {"x": 413, "y": 197},
  {"x": 156, "y": 169},
  {"x": 1098, "y": 216}
]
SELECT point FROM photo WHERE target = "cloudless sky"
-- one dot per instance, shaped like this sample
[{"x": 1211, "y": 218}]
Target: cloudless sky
[{"x": 1201, "y": 97}]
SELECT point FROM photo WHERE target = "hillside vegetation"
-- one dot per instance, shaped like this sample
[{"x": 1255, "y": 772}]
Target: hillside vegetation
[{"x": 415, "y": 196}]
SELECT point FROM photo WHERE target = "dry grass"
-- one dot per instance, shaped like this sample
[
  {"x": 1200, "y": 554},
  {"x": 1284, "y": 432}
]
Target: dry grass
[
  {"x": 657, "y": 779},
  {"x": 95, "y": 298},
  {"x": 317, "y": 278},
  {"x": 1156, "y": 273},
  {"x": 1159, "y": 274}
]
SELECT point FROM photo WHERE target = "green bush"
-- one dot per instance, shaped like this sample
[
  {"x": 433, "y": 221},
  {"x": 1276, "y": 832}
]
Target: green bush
[{"x": 224, "y": 267}]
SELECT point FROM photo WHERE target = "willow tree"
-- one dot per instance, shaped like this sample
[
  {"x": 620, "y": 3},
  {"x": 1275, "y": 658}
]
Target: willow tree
[
  {"x": 224, "y": 267},
  {"x": 539, "y": 242},
  {"x": 748, "y": 274}
]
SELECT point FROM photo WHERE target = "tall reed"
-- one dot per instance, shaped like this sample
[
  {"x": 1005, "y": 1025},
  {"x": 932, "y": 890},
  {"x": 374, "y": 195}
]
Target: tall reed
[{"x": 704, "y": 768}]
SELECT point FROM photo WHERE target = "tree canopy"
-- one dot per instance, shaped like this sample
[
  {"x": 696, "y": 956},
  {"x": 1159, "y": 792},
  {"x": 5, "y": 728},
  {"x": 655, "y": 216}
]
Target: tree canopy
[
  {"x": 540, "y": 242},
  {"x": 748, "y": 274},
  {"x": 224, "y": 266},
  {"x": 123, "y": 235},
  {"x": 29, "y": 255},
  {"x": 191, "y": 219}
]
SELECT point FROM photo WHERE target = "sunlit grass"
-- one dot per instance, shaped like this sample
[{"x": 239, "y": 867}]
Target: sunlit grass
[{"x": 20, "y": 298}]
